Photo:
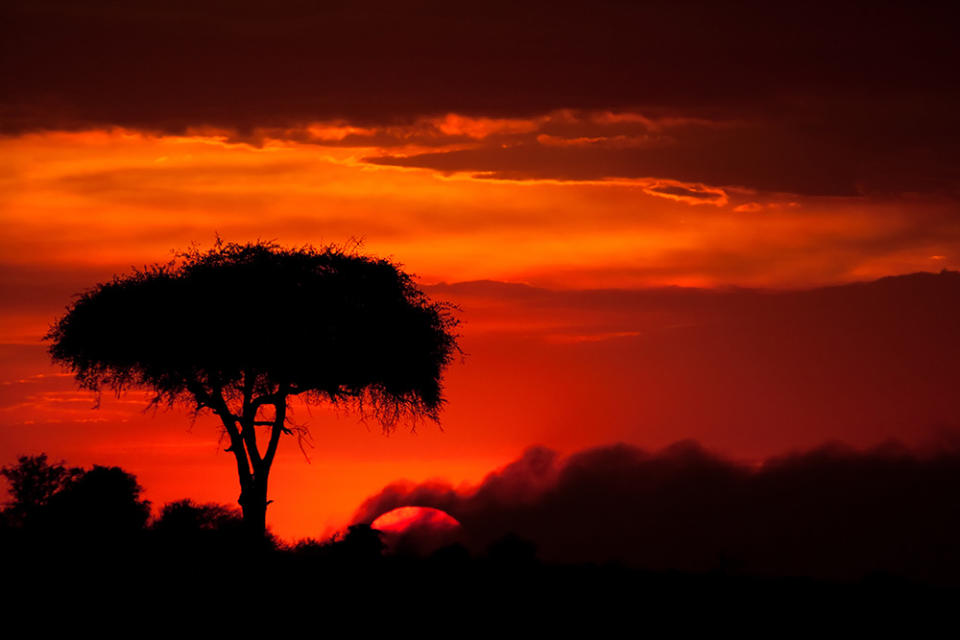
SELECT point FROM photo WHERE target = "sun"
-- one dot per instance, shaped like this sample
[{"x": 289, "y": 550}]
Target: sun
[{"x": 417, "y": 530}]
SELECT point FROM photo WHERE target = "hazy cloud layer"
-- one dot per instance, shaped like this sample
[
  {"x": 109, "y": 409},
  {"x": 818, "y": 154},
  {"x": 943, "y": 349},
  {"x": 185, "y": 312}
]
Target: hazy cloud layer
[{"x": 831, "y": 512}]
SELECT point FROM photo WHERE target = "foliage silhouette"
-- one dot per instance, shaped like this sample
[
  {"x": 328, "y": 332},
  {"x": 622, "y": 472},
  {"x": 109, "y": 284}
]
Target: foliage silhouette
[
  {"x": 101, "y": 506},
  {"x": 131, "y": 570},
  {"x": 359, "y": 545},
  {"x": 186, "y": 516},
  {"x": 63, "y": 510},
  {"x": 186, "y": 528},
  {"x": 240, "y": 329},
  {"x": 33, "y": 482}
]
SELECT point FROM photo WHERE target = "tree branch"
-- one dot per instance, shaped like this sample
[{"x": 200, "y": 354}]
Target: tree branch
[
  {"x": 248, "y": 414},
  {"x": 279, "y": 419},
  {"x": 215, "y": 401},
  {"x": 270, "y": 398}
]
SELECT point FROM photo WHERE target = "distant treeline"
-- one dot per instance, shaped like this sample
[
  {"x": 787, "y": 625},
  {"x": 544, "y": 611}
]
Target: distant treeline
[{"x": 85, "y": 537}]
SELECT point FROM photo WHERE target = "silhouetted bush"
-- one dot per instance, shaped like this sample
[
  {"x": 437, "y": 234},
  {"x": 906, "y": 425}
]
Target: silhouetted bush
[
  {"x": 359, "y": 545},
  {"x": 186, "y": 527},
  {"x": 33, "y": 482},
  {"x": 101, "y": 508},
  {"x": 70, "y": 511}
]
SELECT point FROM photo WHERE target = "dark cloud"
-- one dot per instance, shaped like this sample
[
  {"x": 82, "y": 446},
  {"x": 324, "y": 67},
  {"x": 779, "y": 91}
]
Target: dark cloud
[
  {"x": 685, "y": 192},
  {"x": 827, "y": 148},
  {"x": 838, "y": 99},
  {"x": 832, "y": 512},
  {"x": 741, "y": 370}
]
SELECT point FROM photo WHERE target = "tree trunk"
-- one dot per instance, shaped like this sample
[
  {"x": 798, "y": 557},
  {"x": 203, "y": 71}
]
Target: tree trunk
[{"x": 253, "y": 502}]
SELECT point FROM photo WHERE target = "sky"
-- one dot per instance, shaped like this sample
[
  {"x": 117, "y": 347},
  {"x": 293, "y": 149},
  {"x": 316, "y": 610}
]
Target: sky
[{"x": 653, "y": 216}]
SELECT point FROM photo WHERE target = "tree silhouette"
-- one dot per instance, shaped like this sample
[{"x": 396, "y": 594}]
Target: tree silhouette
[
  {"x": 100, "y": 508},
  {"x": 55, "y": 508},
  {"x": 241, "y": 329},
  {"x": 33, "y": 483}
]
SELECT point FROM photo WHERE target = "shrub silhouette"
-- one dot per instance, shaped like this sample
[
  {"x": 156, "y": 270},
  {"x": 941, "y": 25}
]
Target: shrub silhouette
[
  {"x": 186, "y": 516},
  {"x": 239, "y": 330},
  {"x": 187, "y": 528},
  {"x": 61, "y": 509},
  {"x": 33, "y": 482},
  {"x": 360, "y": 544},
  {"x": 101, "y": 507}
]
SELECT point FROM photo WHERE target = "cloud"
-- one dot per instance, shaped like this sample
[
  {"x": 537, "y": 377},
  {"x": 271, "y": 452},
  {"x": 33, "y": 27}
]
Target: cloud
[
  {"x": 830, "y": 150},
  {"x": 691, "y": 194},
  {"x": 830, "y": 107},
  {"x": 831, "y": 512}
]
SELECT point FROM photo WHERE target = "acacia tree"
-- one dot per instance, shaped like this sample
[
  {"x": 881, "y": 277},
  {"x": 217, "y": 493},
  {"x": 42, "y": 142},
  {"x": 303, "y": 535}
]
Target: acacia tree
[{"x": 241, "y": 329}]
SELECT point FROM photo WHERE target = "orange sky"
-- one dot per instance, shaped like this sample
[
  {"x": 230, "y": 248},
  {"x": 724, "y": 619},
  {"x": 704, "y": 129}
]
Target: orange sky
[
  {"x": 107, "y": 199},
  {"x": 552, "y": 170},
  {"x": 78, "y": 207}
]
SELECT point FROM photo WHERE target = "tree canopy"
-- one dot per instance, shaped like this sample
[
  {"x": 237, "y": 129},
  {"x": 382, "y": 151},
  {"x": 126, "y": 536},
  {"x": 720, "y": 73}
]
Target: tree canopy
[
  {"x": 240, "y": 328},
  {"x": 328, "y": 323}
]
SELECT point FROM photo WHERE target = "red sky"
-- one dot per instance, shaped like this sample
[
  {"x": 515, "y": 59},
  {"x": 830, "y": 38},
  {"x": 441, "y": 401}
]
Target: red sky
[{"x": 577, "y": 162}]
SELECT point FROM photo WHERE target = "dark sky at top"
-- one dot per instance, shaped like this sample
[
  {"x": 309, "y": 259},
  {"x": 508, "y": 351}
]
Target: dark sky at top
[
  {"x": 865, "y": 91},
  {"x": 172, "y": 64}
]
